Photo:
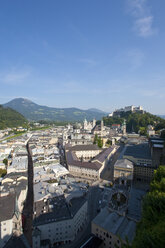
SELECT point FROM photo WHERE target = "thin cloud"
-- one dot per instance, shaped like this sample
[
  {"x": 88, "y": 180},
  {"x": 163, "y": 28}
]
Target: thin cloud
[
  {"x": 144, "y": 27},
  {"x": 14, "y": 76},
  {"x": 137, "y": 8},
  {"x": 142, "y": 18}
]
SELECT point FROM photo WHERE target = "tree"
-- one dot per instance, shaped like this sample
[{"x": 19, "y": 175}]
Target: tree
[
  {"x": 5, "y": 161},
  {"x": 163, "y": 134},
  {"x": 99, "y": 142},
  {"x": 143, "y": 130},
  {"x": 2, "y": 172},
  {"x": 136, "y": 120},
  {"x": 95, "y": 139},
  {"x": 151, "y": 229},
  {"x": 109, "y": 142}
]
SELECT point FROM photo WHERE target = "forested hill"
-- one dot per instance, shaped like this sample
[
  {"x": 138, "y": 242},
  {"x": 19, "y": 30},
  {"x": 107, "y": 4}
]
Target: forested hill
[
  {"x": 136, "y": 121},
  {"x": 35, "y": 112},
  {"x": 11, "y": 118}
]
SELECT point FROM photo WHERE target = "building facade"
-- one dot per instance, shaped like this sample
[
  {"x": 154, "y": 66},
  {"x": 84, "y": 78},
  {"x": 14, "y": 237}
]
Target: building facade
[{"x": 59, "y": 222}]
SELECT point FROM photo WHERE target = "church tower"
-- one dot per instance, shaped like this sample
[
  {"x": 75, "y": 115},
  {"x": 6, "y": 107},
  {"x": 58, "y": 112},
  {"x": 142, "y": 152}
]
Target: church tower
[
  {"x": 85, "y": 124},
  {"x": 124, "y": 127},
  {"x": 102, "y": 125},
  {"x": 94, "y": 123}
]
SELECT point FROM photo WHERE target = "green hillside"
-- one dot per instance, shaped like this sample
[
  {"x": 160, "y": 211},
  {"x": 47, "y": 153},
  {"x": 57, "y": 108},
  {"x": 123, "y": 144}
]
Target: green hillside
[
  {"x": 11, "y": 118},
  {"x": 35, "y": 112},
  {"x": 136, "y": 121}
]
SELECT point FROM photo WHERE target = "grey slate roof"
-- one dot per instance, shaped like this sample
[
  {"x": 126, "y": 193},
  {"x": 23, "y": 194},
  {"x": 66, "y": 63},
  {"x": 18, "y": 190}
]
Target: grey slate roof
[
  {"x": 7, "y": 204},
  {"x": 73, "y": 161},
  {"x": 57, "y": 209},
  {"x": 104, "y": 154},
  {"x": 134, "y": 203},
  {"x": 84, "y": 148},
  {"x": 123, "y": 163},
  {"x": 15, "y": 175},
  {"x": 95, "y": 164},
  {"x": 138, "y": 151},
  {"x": 17, "y": 242},
  {"x": 116, "y": 224}
]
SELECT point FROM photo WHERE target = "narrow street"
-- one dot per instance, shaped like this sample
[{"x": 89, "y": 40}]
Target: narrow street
[
  {"x": 28, "y": 207},
  {"x": 107, "y": 173}
]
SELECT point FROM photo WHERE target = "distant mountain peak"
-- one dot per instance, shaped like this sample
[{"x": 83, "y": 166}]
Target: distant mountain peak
[
  {"x": 21, "y": 99},
  {"x": 35, "y": 112},
  {"x": 96, "y": 110}
]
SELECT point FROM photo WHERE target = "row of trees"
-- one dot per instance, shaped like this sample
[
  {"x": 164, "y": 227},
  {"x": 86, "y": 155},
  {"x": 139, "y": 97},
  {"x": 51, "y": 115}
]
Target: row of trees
[{"x": 98, "y": 141}]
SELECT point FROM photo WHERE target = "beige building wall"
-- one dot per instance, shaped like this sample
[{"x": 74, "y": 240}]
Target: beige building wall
[
  {"x": 84, "y": 172},
  {"x": 143, "y": 173},
  {"x": 123, "y": 172},
  {"x": 21, "y": 199},
  {"x": 110, "y": 240},
  {"x": 87, "y": 154}
]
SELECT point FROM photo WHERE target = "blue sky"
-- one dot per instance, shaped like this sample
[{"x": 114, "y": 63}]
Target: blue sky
[{"x": 105, "y": 54}]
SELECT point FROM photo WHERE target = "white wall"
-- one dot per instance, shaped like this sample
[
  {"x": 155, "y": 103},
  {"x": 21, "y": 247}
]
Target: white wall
[{"x": 6, "y": 228}]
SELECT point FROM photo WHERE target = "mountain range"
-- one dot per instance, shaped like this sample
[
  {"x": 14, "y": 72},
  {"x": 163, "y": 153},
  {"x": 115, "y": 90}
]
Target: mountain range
[{"x": 35, "y": 112}]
